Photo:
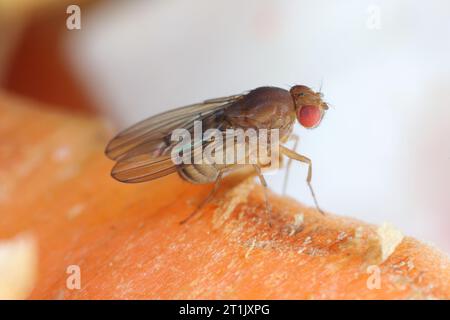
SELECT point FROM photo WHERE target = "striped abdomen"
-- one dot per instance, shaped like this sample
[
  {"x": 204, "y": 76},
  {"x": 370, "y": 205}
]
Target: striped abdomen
[{"x": 199, "y": 173}]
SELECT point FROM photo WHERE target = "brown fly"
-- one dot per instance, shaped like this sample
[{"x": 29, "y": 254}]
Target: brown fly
[{"x": 143, "y": 152}]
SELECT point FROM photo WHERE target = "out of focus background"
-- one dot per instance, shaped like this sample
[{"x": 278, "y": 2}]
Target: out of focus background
[{"x": 382, "y": 152}]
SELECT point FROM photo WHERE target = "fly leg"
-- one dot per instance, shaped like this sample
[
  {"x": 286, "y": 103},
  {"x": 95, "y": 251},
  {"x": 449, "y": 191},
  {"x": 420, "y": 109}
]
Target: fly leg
[
  {"x": 295, "y": 156},
  {"x": 206, "y": 200},
  {"x": 288, "y": 166},
  {"x": 266, "y": 196}
]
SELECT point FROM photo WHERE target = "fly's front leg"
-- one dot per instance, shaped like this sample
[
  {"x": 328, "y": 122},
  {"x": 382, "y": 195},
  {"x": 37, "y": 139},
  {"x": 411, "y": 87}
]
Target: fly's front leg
[
  {"x": 295, "y": 138},
  {"x": 266, "y": 196},
  {"x": 295, "y": 156},
  {"x": 207, "y": 199}
]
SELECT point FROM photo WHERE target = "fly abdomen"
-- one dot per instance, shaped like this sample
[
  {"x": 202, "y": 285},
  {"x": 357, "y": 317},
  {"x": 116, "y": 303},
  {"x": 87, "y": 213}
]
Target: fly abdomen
[{"x": 198, "y": 173}]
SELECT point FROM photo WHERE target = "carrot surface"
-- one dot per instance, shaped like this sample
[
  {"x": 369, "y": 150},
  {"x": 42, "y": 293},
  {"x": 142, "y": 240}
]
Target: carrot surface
[{"x": 125, "y": 241}]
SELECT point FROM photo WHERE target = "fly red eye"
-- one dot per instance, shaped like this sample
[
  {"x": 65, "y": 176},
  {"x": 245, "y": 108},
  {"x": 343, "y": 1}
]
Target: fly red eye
[{"x": 309, "y": 116}]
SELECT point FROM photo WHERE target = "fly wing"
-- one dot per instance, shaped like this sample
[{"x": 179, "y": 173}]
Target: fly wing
[
  {"x": 143, "y": 151},
  {"x": 142, "y": 168},
  {"x": 158, "y": 127}
]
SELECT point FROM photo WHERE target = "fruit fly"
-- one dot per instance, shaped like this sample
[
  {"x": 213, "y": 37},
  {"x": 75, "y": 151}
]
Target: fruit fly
[{"x": 143, "y": 151}]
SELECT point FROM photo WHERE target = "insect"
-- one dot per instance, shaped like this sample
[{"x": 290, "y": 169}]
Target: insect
[{"x": 143, "y": 151}]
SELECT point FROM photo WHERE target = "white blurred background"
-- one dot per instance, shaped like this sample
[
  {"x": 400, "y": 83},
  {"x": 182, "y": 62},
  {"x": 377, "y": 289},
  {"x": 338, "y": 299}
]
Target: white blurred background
[{"x": 382, "y": 152}]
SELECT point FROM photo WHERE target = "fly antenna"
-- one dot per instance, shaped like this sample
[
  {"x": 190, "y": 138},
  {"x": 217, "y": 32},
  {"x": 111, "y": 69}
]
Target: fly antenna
[{"x": 320, "y": 87}]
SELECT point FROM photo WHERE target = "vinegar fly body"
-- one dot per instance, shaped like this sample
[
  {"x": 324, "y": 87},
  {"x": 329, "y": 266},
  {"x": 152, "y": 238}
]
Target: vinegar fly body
[{"x": 203, "y": 141}]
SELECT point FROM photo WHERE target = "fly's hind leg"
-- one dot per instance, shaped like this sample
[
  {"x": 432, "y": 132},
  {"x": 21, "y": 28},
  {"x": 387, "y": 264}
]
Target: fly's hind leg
[
  {"x": 289, "y": 163},
  {"x": 206, "y": 200},
  {"x": 266, "y": 196},
  {"x": 295, "y": 156}
]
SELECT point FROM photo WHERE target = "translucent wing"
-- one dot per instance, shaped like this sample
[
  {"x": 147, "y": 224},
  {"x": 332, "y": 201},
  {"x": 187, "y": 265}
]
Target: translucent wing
[
  {"x": 143, "y": 151},
  {"x": 159, "y": 126}
]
